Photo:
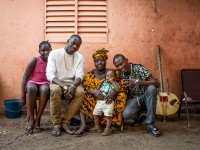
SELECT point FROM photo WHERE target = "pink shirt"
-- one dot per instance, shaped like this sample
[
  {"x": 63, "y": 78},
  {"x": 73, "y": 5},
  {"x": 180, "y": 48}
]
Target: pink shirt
[{"x": 39, "y": 73}]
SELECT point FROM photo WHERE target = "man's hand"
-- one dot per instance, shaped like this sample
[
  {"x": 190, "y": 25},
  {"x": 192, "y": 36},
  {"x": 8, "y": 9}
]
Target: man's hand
[
  {"x": 96, "y": 93},
  {"x": 128, "y": 82},
  {"x": 69, "y": 93}
]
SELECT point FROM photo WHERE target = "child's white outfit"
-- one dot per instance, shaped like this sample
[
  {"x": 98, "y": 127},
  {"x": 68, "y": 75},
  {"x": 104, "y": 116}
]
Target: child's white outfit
[{"x": 101, "y": 106}]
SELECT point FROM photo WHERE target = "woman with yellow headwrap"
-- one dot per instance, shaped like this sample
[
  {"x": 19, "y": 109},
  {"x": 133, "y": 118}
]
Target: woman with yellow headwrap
[{"x": 90, "y": 83}]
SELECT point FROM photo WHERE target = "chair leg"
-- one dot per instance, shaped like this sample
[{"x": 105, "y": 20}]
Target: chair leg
[
  {"x": 186, "y": 104},
  {"x": 179, "y": 111}
]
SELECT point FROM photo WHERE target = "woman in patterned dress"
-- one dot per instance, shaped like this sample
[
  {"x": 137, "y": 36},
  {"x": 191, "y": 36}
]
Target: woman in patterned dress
[{"x": 90, "y": 83}]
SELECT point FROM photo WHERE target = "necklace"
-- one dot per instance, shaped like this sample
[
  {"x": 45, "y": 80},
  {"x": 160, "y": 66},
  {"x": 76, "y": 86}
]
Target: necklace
[
  {"x": 69, "y": 63},
  {"x": 131, "y": 74}
]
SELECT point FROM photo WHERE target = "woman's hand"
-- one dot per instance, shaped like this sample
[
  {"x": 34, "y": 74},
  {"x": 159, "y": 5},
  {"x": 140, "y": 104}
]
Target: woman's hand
[
  {"x": 110, "y": 97},
  {"x": 109, "y": 101},
  {"x": 96, "y": 93}
]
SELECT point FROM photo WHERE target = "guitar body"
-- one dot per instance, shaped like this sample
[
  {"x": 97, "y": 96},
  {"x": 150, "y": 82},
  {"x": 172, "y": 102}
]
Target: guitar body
[{"x": 167, "y": 104}]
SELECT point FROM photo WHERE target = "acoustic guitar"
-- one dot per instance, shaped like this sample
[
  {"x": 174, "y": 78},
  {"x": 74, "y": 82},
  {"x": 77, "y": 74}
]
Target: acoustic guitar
[{"x": 167, "y": 103}]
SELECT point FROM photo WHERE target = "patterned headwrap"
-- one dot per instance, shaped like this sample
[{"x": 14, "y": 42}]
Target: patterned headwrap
[{"x": 101, "y": 52}]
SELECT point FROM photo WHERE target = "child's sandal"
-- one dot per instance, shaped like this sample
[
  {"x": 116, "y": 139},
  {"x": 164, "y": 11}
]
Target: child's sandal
[
  {"x": 96, "y": 129},
  {"x": 107, "y": 131}
]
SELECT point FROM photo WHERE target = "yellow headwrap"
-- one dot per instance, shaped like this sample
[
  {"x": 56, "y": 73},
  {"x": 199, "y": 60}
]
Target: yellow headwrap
[{"x": 101, "y": 52}]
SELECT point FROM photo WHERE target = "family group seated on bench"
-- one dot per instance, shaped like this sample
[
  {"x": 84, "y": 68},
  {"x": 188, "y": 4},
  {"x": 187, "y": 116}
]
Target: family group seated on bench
[{"x": 106, "y": 95}]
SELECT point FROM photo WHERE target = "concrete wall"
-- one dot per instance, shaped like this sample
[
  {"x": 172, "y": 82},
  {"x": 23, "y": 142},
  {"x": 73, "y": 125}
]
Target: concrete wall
[{"x": 135, "y": 28}]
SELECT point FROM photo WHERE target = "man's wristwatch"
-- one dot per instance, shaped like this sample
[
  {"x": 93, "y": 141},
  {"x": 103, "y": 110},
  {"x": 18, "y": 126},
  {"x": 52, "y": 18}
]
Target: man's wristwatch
[{"x": 136, "y": 82}]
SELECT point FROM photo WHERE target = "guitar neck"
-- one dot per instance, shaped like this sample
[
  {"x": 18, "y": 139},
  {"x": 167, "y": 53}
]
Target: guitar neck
[{"x": 160, "y": 68}]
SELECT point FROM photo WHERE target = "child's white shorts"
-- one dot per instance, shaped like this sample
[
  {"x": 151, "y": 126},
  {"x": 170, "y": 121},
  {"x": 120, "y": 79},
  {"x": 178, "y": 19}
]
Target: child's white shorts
[{"x": 102, "y": 107}]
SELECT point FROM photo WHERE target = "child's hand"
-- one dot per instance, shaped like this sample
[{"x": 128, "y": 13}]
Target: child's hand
[
  {"x": 112, "y": 79},
  {"x": 23, "y": 101},
  {"x": 102, "y": 81}
]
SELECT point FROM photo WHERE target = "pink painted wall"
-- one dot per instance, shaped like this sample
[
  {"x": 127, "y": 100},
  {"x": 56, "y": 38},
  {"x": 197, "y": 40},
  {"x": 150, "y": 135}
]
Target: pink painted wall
[{"x": 135, "y": 28}]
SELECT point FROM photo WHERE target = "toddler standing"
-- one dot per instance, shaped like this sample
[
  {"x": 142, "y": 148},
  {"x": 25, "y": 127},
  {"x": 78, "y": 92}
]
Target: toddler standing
[{"x": 105, "y": 105}]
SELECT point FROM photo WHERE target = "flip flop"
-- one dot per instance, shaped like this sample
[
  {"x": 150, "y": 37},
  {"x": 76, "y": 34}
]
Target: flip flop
[
  {"x": 67, "y": 129},
  {"x": 37, "y": 129},
  {"x": 28, "y": 130},
  {"x": 154, "y": 132}
]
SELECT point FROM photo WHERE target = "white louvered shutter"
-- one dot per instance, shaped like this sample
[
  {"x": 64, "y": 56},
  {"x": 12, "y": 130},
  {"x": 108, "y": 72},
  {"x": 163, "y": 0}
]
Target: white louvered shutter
[{"x": 88, "y": 18}]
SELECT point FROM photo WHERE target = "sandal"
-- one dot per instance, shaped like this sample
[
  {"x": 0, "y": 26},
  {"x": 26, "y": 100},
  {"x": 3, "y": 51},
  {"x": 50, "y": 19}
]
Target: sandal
[
  {"x": 67, "y": 129},
  {"x": 96, "y": 129},
  {"x": 81, "y": 133},
  {"x": 28, "y": 130},
  {"x": 37, "y": 129},
  {"x": 154, "y": 132},
  {"x": 56, "y": 132},
  {"x": 107, "y": 131}
]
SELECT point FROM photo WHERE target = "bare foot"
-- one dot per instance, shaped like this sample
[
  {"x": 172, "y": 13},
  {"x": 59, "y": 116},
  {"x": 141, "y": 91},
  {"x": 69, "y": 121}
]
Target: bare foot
[
  {"x": 37, "y": 122},
  {"x": 80, "y": 130}
]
